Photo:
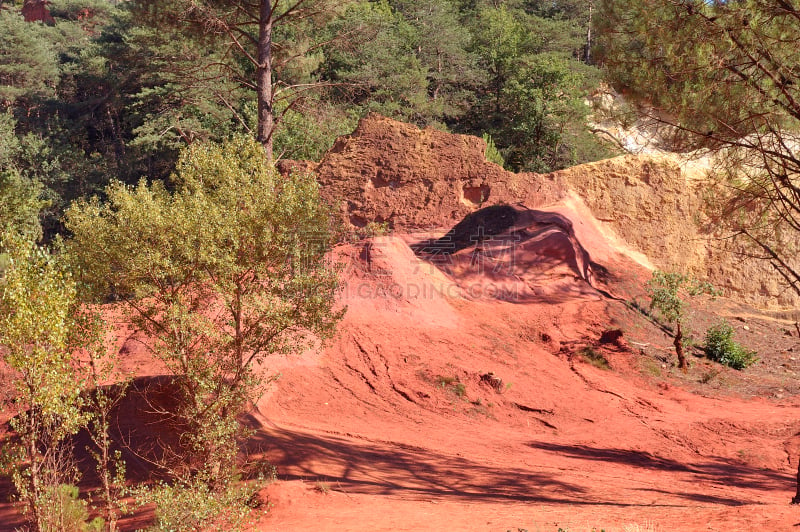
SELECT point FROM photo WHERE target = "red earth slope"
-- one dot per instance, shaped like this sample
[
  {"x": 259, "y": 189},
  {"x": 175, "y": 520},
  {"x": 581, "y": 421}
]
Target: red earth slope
[{"x": 455, "y": 397}]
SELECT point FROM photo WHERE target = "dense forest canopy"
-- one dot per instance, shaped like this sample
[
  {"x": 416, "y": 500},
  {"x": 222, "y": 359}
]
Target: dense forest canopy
[{"x": 100, "y": 90}]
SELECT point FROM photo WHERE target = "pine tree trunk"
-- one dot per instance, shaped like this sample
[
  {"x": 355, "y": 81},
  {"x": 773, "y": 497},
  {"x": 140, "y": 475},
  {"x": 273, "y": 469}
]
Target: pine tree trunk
[
  {"x": 588, "y": 56},
  {"x": 266, "y": 119}
]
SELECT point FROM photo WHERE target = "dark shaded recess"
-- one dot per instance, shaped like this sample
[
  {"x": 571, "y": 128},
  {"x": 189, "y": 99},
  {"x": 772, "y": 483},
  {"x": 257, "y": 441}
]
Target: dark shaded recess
[
  {"x": 611, "y": 336},
  {"x": 477, "y": 195},
  {"x": 143, "y": 428},
  {"x": 474, "y": 228}
]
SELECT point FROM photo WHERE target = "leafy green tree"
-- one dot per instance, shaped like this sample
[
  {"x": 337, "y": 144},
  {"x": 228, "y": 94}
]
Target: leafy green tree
[
  {"x": 573, "y": 17},
  {"x": 29, "y": 67},
  {"x": 443, "y": 47},
  {"x": 20, "y": 203},
  {"x": 376, "y": 69},
  {"x": 503, "y": 41},
  {"x": 539, "y": 105},
  {"x": 51, "y": 91},
  {"x": 176, "y": 86},
  {"x": 38, "y": 336},
  {"x": 532, "y": 104},
  {"x": 20, "y": 198},
  {"x": 667, "y": 293},
  {"x": 310, "y": 127},
  {"x": 224, "y": 271},
  {"x": 241, "y": 44}
]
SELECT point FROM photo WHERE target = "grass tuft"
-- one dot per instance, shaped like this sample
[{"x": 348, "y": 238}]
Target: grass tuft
[{"x": 594, "y": 357}]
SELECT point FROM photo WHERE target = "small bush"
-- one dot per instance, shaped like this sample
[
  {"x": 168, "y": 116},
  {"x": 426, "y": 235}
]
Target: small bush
[
  {"x": 195, "y": 506},
  {"x": 721, "y": 347},
  {"x": 492, "y": 154},
  {"x": 453, "y": 384},
  {"x": 62, "y": 509},
  {"x": 594, "y": 357},
  {"x": 708, "y": 376}
]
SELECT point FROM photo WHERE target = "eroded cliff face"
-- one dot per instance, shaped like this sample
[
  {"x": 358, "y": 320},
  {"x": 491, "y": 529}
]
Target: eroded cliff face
[
  {"x": 388, "y": 171},
  {"x": 411, "y": 178}
]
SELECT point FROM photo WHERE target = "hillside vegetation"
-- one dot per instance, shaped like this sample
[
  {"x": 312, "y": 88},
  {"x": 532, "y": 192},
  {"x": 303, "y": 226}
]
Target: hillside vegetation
[{"x": 114, "y": 90}]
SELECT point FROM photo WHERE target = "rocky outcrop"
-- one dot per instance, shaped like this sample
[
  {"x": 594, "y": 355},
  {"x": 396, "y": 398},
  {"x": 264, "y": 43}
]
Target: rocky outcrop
[
  {"x": 387, "y": 171},
  {"x": 647, "y": 202},
  {"x": 36, "y": 11},
  {"x": 413, "y": 179}
]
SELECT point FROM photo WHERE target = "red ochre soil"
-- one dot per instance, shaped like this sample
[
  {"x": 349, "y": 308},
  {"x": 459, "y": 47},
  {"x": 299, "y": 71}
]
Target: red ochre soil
[
  {"x": 392, "y": 428},
  {"x": 455, "y": 395}
]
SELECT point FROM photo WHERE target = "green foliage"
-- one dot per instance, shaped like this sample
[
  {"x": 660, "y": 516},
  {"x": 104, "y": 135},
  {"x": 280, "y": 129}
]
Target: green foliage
[
  {"x": 37, "y": 296},
  {"x": 594, "y": 357},
  {"x": 29, "y": 67},
  {"x": 309, "y": 129},
  {"x": 38, "y": 333},
  {"x": 65, "y": 127},
  {"x": 668, "y": 291},
  {"x": 492, "y": 154},
  {"x": 63, "y": 510},
  {"x": 377, "y": 67},
  {"x": 532, "y": 103},
  {"x": 178, "y": 89},
  {"x": 691, "y": 59},
  {"x": 194, "y": 506},
  {"x": 224, "y": 271},
  {"x": 119, "y": 89},
  {"x": 442, "y": 44},
  {"x": 371, "y": 230},
  {"x": 721, "y": 347},
  {"x": 20, "y": 197},
  {"x": 20, "y": 203},
  {"x": 725, "y": 75},
  {"x": 453, "y": 385}
]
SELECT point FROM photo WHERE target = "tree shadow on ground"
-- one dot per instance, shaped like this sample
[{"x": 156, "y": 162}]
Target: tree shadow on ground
[
  {"x": 394, "y": 469},
  {"x": 722, "y": 471},
  {"x": 387, "y": 468}
]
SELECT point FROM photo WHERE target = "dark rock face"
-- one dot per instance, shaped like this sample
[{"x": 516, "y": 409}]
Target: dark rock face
[{"x": 36, "y": 11}]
